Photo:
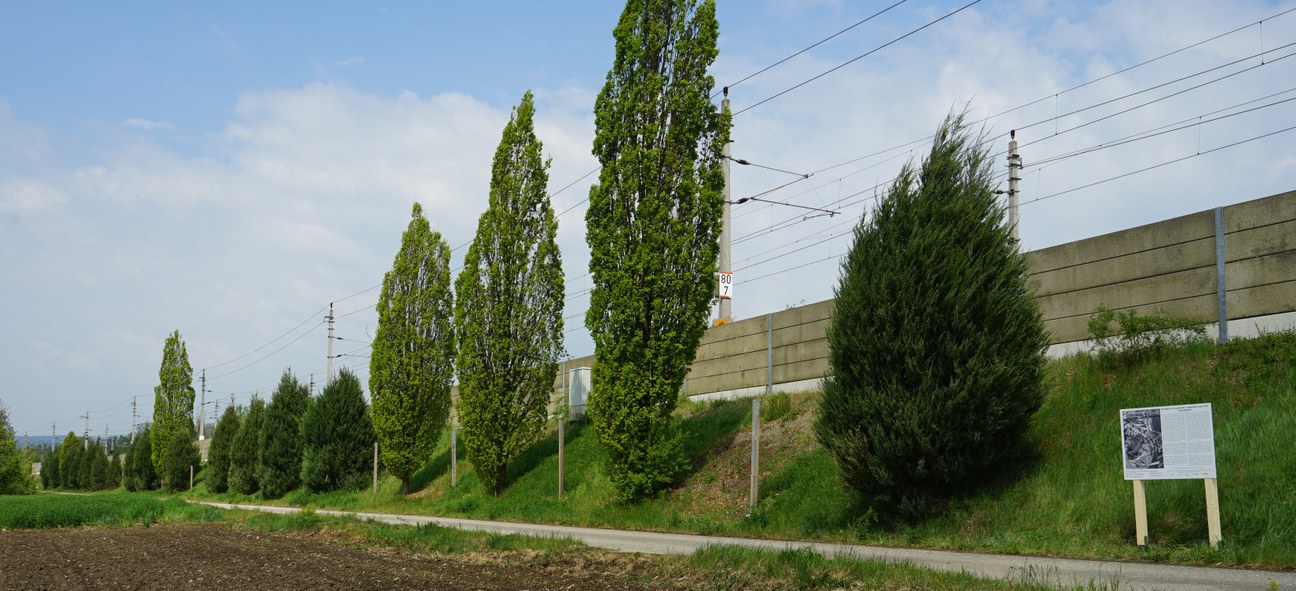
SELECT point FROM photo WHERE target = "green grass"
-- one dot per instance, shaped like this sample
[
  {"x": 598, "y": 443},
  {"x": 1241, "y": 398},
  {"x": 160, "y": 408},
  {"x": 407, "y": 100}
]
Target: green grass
[
  {"x": 49, "y": 510},
  {"x": 1069, "y": 499},
  {"x": 730, "y": 567}
]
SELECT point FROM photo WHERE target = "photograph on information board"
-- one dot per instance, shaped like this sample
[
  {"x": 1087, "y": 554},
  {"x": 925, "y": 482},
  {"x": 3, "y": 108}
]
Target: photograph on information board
[{"x": 1168, "y": 442}]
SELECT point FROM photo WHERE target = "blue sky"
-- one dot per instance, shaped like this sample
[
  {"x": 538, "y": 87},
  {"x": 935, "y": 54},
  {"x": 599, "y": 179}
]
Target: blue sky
[{"x": 229, "y": 169}]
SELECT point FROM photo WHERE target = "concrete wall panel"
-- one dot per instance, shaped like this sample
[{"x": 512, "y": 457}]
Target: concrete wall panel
[
  {"x": 1275, "y": 298},
  {"x": 1260, "y": 212},
  {"x": 1150, "y": 237},
  {"x": 802, "y": 370},
  {"x": 1131, "y": 294},
  {"x": 1162, "y": 261},
  {"x": 1253, "y": 242},
  {"x": 1164, "y": 267}
]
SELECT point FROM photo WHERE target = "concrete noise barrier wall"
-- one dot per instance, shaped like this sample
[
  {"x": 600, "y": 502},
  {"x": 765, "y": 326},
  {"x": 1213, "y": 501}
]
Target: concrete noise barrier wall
[{"x": 1173, "y": 266}]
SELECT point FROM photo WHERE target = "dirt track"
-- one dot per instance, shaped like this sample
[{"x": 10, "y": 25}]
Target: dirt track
[{"x": 216, "y": 556}]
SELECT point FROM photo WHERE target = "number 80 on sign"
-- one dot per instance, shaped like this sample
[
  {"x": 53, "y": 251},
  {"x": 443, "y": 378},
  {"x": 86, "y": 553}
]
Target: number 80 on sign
[{"x": 724, "y": 286}]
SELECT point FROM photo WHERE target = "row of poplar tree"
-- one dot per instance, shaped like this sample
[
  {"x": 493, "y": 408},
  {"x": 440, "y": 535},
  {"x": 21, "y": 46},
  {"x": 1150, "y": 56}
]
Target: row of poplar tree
[{"x": 652, "y": 226}]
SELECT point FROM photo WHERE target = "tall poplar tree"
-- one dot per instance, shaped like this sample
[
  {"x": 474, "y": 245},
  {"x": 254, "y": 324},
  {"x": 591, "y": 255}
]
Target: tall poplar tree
[
  {"x": 652, "y": 228},
  {"x": 173, "y": 398},
  {"x": 412, "y": 363},
  {"x": 508, "y": 307}
]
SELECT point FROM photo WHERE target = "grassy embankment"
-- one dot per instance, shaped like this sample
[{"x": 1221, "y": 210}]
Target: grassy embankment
[{"x": 1071, "y": 500}]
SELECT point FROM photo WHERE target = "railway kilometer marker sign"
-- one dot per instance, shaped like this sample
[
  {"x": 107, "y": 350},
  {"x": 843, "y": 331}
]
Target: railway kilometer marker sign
[{"x": 724, "y": 289}]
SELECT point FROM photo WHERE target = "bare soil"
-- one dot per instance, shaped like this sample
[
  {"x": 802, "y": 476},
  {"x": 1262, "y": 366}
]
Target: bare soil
[{"x": 219, "y": 556}]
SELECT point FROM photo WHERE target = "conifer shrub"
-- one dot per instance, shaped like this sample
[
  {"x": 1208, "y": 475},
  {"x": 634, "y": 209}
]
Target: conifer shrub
[
  {"x": 86, "y": 480},
  {"x": 140, "y": 473},
  {"x": 245, "y": 455},
  {"x": 936, "y": 350},
  {"x": 70, "y": 466},
  {"x": 180, "y": 456},
  {"x": 218, "y": 455},
  {"x": 114, "y": 471},
  {"x": 49, "y": 468},
  {"x": 338, "y": 437},
  {"x": 281, "y": 438}
]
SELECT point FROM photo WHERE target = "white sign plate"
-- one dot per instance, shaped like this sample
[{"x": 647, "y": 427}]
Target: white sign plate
[
  {"x": 1168, "y": 442},
  {"x": 725, "y": 288}
]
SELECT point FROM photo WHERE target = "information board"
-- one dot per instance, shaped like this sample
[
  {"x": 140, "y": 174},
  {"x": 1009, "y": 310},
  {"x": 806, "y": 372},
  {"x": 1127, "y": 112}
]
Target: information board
[{"x": 1168, "y": 442}]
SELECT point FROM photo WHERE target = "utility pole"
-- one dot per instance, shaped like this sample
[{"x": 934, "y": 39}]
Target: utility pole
[
  {"x": 1014, "y": 175},
  {"x": 202, "y": 406},
  {"x": 85, "y": 438},
  {"x": 312, "y": 385},
  {"x": 726, "y": 271},
  {"x": 330, "y": 345},
  {"x": 133, "y": 415}
]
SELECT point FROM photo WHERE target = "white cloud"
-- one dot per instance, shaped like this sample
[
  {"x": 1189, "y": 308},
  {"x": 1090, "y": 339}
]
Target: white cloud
[
  {"x": 146, "y": 125},
  {"x": 351, "y": 61},
  {"x": 27, "y": 196}
]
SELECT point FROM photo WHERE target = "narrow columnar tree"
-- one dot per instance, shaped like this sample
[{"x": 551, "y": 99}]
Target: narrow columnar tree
[
  {"x": 245, "y": 454},
  {"x": 936, "y": 348},
  {"x": 98, "y": 467},
  {"x": 70, "y": 460},
  {"x": 218, "y": 455},
  {"x": 180, "y": 458},
  {"x": 413, "y": 351},
  {"x": 338, "y": 437},
  {"x": 140, "y": 474},
  {"x": 173, "y": 398},
  {"x": 50, "y": 468},
  {"x": 281, "y": 438},
  {"x": 652, "y": 227},
  {"x": 508, "y": 307},
  {"x": 114, "y": 471}
]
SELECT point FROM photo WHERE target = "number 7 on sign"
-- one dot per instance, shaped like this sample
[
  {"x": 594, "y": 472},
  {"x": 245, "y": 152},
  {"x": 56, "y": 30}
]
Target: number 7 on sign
[{"x": 725, "y": 286}]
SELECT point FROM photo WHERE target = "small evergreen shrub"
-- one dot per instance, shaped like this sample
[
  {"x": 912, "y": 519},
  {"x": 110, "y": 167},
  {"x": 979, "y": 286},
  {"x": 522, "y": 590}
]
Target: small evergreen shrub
[
  {"x": 936, "y": 348},
  {"x": 218, "y": 455},
  {"x": 245, "y": 455},
  {"x": 338, "y": 437},
  {"x": 181, "y": 455},
  {"x": 140, "y": 474},
  {"x": 281, "y": 439}
]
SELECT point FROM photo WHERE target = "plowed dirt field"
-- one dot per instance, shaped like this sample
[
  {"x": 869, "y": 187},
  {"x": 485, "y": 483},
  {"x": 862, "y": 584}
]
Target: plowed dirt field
[{"x": 217, "y": 556}]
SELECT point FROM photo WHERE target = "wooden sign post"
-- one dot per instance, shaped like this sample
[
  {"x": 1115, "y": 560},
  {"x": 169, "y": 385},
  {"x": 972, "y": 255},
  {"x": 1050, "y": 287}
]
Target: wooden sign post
[{"x": 1170, "y": 443}]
